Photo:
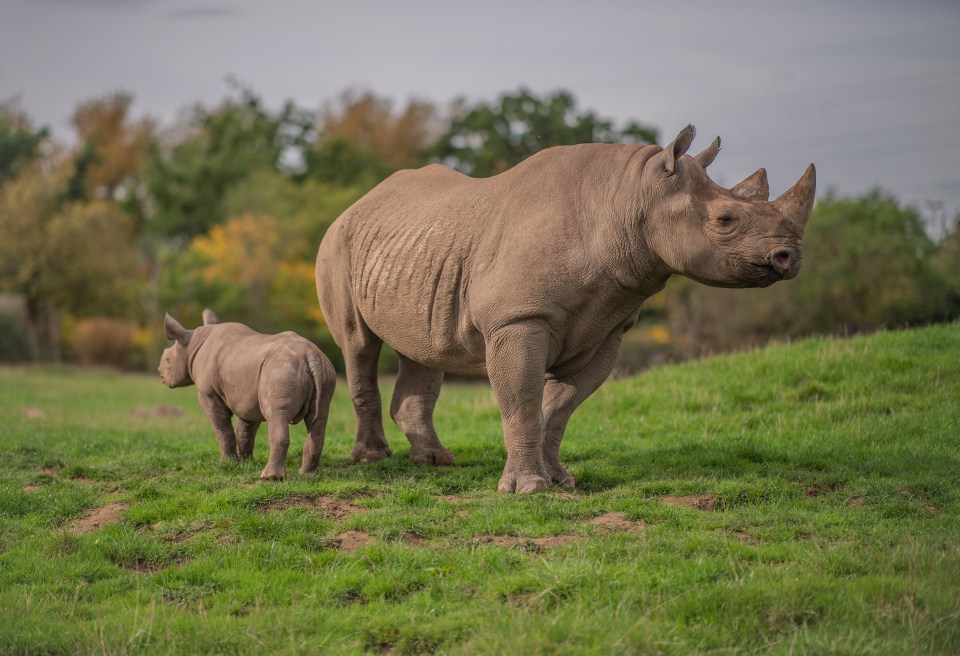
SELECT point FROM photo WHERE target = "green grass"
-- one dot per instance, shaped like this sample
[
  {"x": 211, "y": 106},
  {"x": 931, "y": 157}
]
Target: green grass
[{"x": 834, "y": 466}]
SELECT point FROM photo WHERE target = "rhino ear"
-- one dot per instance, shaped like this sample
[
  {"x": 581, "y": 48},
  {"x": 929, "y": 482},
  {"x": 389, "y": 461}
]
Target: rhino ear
[
  {"x": 706, "y": 156},
  {"x": 210, "y": 317},
  {"x": 754, "y": 187},
  {"x": 175, "y": 331},
  {"x": 677, "y": 148}
]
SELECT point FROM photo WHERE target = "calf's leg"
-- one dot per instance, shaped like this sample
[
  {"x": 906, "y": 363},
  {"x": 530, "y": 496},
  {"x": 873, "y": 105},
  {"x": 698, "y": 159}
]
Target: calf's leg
[
  {"x": 219, "y": 415},
  {"x": 246, "y": 434},
  {"x": 278, "y": 426}
]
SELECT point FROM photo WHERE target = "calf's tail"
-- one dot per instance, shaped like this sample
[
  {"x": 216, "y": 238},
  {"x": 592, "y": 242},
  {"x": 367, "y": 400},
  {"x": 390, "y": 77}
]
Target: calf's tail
[{"x": 324, "y": 382}]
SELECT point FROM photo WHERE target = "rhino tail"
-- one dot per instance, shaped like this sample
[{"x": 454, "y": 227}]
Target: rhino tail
[{"x": 324, "y": 382}]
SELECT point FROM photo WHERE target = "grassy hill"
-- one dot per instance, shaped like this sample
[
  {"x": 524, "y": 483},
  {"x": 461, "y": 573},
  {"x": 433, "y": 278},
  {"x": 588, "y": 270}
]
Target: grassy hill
[{"x": 797, "y": 499}]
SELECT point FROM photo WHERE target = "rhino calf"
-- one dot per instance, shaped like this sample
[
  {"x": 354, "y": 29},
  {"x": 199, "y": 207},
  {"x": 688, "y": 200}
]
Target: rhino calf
[{"x": 281, "y": 379}]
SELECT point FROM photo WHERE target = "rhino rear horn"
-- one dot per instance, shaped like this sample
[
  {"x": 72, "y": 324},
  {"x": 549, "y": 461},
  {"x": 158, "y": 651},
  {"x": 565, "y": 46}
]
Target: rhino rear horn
[
  {"x": 753, "y": 187},
  {"x": 175, "y": 331},
  {"x": 677, "y": 148},
  {"x": 797, "y": 201},
  {"x": 706, "y": 156},
  {"x": 210, "y": 317}
]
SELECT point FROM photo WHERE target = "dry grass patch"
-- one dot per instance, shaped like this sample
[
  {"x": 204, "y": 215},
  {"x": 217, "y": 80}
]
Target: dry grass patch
[{"x": 549, "y": 542}]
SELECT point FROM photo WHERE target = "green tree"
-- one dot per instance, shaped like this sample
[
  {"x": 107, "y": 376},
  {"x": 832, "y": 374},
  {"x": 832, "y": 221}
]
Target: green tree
[
  {"x": 486, "y": 139},
  {"x": 188, "y": 178},
  {"x": 19, "y": 142}
]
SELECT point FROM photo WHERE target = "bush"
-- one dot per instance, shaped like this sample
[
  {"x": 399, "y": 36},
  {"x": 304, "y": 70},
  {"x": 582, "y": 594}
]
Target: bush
[
  {"x": 103, "y": 341},
  {"x": 14, "y": 346}
]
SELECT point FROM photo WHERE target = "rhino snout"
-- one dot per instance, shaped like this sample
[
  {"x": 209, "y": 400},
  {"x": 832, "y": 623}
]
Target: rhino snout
[{"x": 785, "y": 261}]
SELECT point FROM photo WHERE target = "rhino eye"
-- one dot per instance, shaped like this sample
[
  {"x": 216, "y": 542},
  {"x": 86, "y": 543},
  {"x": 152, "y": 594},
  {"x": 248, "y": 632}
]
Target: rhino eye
[{"x": 725, "y": 220}]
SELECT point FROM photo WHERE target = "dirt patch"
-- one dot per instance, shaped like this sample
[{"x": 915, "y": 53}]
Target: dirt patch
[
  {"x": 158, "y": 411},
  {"x": 617, "y": 521},
  {"x": 698, "y": 501},
  {"x": 856, "y": 502},
  {"x": 335, "y": 508},
  {"x": 32, "y": 413},
  {"x": 30, "y": 489},
  {"x": 97, "y": 518},
  {"x": 413, "y": 539},
  {"x": 350, "y": 541},
  {"x": 453, "y": 498},
  {"x": 745, "y": 537},
  {"x": 535, "y": 543},
  {"x": 48, "y": 471}
]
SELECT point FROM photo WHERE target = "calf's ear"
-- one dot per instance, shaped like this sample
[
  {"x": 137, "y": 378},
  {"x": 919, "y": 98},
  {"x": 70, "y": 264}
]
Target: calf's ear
[
  {"x": 210, "y": 317},
  {"x": 175, "y": 331},
  {"x": 677, "y": 148}
]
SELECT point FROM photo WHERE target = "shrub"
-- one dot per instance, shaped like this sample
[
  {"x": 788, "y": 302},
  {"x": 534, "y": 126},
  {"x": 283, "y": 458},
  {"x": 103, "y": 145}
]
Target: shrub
[{"x": 103, "y": 341}]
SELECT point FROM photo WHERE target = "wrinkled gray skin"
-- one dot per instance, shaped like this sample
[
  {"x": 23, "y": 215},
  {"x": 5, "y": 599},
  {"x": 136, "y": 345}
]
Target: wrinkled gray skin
[
  {"x": 281, "y": 379},
  {"x": 530, "y": 278}
]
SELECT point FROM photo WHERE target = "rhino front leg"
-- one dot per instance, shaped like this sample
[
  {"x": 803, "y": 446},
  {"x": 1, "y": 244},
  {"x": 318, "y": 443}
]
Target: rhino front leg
[
  {"x": 414, "y": 398},
  {"x": 219, "y": 415},
  {"x": 516, "y": 360},
  {"x": 246, "y": 434},
  {"x": 561, "y": 396}
]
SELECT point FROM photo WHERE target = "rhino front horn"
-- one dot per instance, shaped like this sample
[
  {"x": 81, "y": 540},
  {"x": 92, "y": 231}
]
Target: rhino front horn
[
  {"x": 797, "y": 201},
  {"x": 753, "y": 187}
]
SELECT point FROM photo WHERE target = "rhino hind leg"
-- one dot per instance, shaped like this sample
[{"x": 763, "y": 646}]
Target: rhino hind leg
[
  {"x": 278, "y": 426},
  {"x": 414, "y": 399},
  {"x": 361, "y": 352}
]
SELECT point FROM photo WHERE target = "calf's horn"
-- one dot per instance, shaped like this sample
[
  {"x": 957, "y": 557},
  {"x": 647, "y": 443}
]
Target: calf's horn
[{"x": 797, "y": 201}]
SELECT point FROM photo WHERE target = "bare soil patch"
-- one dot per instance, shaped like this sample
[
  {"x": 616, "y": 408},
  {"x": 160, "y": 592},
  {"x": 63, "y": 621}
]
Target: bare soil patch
[
  {"x": 617, "y": 521},
  {"x": 856, "y": 502},
  {"x": 47, "y": 471},
  {"x": 30, "y": 489},
  {"x": 350, "y": 541},
  {"x": 32, "y": 413},
  {"x": 97, "y": 518},
  {"x": 745, "y": 537},
  {"x": 698, "y": 501},
  {"x": 453, "y": 498},
  {"x": 536, "y": 543},
  {"x": 336, "y": 508},
  {"x": 413, "y": 539},
  {"x": 158, "y": 411}
]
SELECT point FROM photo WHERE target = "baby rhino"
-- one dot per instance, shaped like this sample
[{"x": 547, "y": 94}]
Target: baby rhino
[{"x": 281, "y": 379}]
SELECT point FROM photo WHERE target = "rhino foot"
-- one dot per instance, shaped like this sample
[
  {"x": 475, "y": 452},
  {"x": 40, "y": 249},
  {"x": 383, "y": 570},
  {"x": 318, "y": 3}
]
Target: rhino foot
[
  {"x": 562, "y": 477},
  {"x": 365, "y": 454},
  {"x": 273, "y": 473},
  {"x": 522, "y": 482},
  {"x": 437, "y": 457}
]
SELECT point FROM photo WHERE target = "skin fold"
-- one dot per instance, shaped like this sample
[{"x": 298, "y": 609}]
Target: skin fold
[{"x": 530, "y": 278}]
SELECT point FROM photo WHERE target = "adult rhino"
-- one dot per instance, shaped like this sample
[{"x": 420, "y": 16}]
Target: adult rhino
[{"x": 531, "y": 277}]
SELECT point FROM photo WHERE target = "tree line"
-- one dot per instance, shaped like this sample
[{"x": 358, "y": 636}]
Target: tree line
[{"x": 226, "y": 206}]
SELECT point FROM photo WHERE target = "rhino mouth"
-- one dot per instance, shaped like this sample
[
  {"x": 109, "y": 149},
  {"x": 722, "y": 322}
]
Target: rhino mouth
[{"x": 767, "y": 275}]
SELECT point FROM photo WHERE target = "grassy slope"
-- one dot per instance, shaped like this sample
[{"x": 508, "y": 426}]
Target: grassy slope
[{"x": 834, "y": 465}]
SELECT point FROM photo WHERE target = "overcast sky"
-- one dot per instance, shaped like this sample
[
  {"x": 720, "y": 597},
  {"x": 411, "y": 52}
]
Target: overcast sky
[{"x": 869, "y": 90}]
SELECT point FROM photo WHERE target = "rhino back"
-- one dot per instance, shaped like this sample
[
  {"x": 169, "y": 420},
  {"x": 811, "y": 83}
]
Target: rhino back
[
  {"x": 435, "y": 258},
  {"x": 231, "y": 360}
]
